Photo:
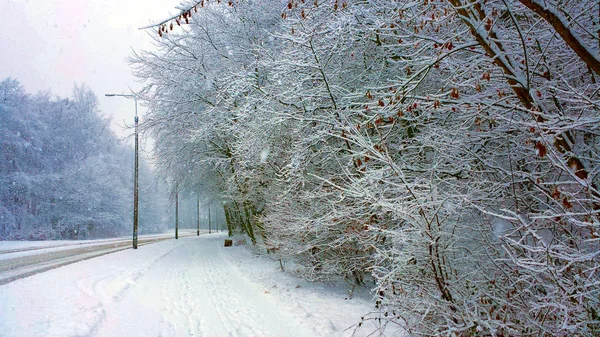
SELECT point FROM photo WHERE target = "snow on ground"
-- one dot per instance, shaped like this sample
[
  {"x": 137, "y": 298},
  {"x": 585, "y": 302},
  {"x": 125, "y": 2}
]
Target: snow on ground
[{"x": 187, "y": 287}]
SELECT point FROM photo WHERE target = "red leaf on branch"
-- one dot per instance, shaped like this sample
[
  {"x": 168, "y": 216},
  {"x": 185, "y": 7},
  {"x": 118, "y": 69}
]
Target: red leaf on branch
[
  {"x": 454, "y": 93},
  {"x": 566, "y": 203},
  {"x": 541, "y": 149}
]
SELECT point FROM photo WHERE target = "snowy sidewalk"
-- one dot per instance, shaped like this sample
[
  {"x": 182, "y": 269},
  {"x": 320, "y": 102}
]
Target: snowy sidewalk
[{"x": 189, "y": 287}]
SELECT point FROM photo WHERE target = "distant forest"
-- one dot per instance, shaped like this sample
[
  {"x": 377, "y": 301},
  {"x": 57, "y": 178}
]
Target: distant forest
[{"x": 64, "y": 174}]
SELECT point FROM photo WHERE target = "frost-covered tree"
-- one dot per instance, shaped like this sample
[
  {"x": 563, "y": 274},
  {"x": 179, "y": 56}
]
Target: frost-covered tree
[
  {"x": 446, "y": 149},
  {"x": 195, "y": 103}
]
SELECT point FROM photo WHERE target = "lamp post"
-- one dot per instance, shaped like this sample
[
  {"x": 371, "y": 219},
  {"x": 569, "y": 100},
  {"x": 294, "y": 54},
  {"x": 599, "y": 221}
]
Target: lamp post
[
  {"x": 135, "y": 170},
  {"x": 209, "y": 229}
]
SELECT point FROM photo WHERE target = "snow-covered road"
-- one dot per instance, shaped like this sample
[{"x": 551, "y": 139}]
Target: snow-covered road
[
  {"x": 187, "y": 287},
  {"x": 17, "y": 263}
]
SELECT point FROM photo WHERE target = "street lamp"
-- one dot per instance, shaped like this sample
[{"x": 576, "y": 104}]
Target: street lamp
[{"x": 136, "y": 170}]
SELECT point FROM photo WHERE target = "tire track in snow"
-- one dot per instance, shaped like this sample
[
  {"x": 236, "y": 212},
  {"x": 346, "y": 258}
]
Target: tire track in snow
[
  {"x": 178, "y": 313},
  {"x": 244, "y": 308},
  {"x": 110, "y": 289},
  {"x": 187, "y": 306},
  {"x": 228, "y": 305}
]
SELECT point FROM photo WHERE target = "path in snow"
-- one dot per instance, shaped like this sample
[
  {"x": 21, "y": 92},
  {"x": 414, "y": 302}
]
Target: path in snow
[{"x": 189, "y": 287}]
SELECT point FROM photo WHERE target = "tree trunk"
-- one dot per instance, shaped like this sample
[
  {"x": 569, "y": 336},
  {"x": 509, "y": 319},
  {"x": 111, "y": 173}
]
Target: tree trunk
[{"x": 228, "y": 221}]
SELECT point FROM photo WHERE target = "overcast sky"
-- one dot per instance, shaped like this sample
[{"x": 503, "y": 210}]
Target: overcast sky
[{"x": 49, "y": 45}]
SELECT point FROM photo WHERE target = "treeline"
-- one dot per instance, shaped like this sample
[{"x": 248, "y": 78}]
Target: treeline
[
  {"x": 63, "y": 173},
  {"x": 446, "y": 150}
]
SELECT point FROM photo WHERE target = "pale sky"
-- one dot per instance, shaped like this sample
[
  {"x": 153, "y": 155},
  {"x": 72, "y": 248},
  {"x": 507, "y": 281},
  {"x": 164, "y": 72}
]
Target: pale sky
[{"x": 53, "y": 44}]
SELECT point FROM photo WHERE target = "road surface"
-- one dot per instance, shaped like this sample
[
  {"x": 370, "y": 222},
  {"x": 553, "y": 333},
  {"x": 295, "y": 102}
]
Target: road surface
[{"x": 22, "y": 262}]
